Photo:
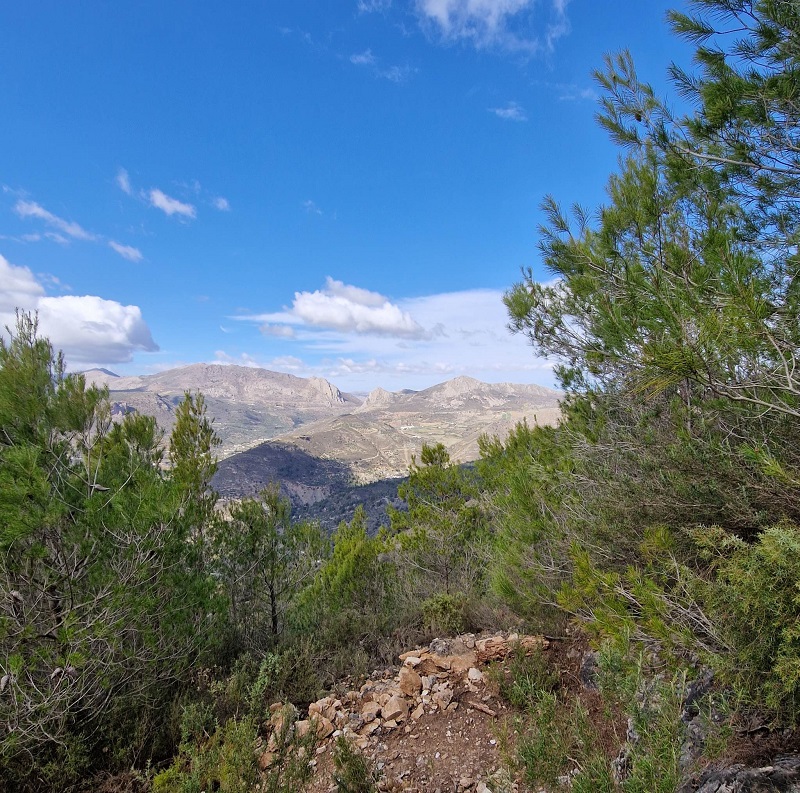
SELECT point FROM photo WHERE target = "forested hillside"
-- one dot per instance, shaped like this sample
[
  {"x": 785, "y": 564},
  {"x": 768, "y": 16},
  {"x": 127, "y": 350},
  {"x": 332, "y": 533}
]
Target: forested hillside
[{"x": 145, "y": 633}]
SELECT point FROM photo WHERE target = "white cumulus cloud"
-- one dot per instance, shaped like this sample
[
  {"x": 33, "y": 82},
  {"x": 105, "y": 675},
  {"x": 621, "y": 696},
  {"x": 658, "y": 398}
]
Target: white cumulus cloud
[
  {"x": 347, "y": 309},
  {"x": 18, "y": 288},
  {"x": 469, "y": 335},
  {"x": 170, "y": 206},
  {"x": 222, "y": 204},
  {"x": 30, "y": 209},
  {"x": 89, "y": 329},
  {"x": 354, "y": 294},
  {"x": 360, "y": 339}
]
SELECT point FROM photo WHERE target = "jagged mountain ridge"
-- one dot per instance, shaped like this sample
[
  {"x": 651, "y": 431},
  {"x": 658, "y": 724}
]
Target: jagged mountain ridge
[
  {"x": 248, "y": 404},
  {"x": 379, "y": 438},
  {"x": 243, "y": 383}
]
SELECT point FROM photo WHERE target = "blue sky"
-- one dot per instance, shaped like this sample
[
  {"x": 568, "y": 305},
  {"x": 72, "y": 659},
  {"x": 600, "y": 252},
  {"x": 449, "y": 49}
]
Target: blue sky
[{"x": 341, "y": 188}]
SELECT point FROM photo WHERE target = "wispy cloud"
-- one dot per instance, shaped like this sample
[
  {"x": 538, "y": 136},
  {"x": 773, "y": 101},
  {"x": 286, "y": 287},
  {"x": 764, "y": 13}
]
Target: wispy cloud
[
  {"x": 30, "y": 209},
  {"x": 126, "y": 251},
  {"x": 559, "y": 25},
  {"x": 90, "y": 329},
  {"x": 511, "y": 112},
  {"x": 496, "y": 24},
  {"x": 279, "y": 331},
  {"x": 575, "y": 93},
  {"x": 395, "y": 74},
  {"x": 123, "y": 181},
  {"x": 311, "y": 207},
  {"x": 365, "y": 58},
  {"x": 170, "y": 206},
  {"x": 243, "y": 359},
  {"x": 372, "y": 6},
  {"x": 53, "y": 236},
  {"x": 288, "y": 363},
  {"x": 67, "y": 230}
]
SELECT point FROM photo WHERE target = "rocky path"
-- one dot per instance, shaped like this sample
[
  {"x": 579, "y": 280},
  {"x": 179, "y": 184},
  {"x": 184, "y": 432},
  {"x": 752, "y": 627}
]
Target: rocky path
[{"x": 434, "y": 724}]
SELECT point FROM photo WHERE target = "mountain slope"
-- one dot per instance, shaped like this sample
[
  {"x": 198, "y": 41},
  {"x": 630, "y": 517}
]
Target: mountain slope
[
  {"x": 248, "y": 405},
  {"x": 318, "y": 489},
  {"x": 380, "y": 437}
]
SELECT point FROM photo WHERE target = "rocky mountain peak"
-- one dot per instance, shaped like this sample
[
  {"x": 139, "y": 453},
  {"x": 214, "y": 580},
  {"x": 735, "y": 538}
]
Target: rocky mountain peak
[
  {"x": 100, "y": 371},
  {"x": 100, "y": 377},
  {"x": 377, "y": 398},
  {"x": 329, "y": 391},
  {"x": 458, "y": 386}
]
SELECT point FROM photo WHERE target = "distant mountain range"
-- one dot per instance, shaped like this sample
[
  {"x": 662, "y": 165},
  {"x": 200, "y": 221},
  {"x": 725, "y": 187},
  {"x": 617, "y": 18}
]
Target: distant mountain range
[
  {"x": 378, "y": 439},
  {"x": 248, "y": 405},
  {"x": 327, "y": 447}
]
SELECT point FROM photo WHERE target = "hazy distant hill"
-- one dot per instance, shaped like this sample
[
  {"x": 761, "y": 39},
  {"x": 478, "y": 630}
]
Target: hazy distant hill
[
  {"x": 378, "y": 438},
  {"x": 248, "y": 405}
]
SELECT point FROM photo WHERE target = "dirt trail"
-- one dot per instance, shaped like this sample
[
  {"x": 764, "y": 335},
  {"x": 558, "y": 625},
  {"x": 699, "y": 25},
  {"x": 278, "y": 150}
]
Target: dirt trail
[{"x": 432, "y": 724}]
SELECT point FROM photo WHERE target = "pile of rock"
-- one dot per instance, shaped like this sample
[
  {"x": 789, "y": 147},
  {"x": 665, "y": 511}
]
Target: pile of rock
[{"x": 440, "y": 678}]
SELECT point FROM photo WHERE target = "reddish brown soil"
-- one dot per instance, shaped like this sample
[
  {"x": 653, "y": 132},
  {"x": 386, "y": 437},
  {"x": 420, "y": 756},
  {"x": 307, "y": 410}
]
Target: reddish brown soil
[{"x": 439, "y": 751}]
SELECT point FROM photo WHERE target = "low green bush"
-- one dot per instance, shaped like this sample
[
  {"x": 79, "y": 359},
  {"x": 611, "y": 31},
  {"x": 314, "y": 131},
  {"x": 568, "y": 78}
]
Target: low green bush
[
  {"x": 554, "y": 731},
  {"x": 653, "y": 703},
  {"x": 353, "y": 773},
  {"x": 444, "y": 614},
  {"x": 753, "y": 599},
  {"x": 559, "y": 747},
  {"x": 523, "y": 679},
  {"x": 224, "y": 762}
]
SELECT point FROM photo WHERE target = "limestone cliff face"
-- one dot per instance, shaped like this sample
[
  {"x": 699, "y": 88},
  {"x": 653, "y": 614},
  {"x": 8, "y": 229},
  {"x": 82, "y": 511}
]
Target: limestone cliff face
[
  {"x": 328, "y": 391},
  {"x": 236, "y": 383},
  {"x": 468, "y": 392}
]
